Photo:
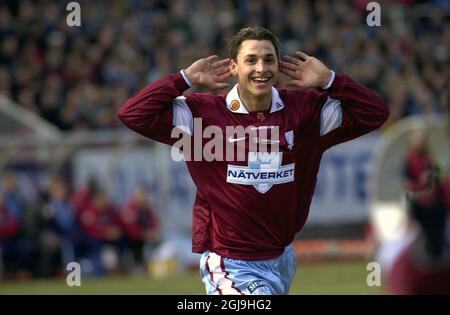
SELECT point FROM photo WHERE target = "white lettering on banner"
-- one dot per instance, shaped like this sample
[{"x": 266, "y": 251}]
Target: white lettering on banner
[{"x": 342, "y": 182}]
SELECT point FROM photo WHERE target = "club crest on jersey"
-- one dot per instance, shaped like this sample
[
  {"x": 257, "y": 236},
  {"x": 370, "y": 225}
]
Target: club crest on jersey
[
  {"x": 263, "y": 171},
  {"x": 234, "y": 106}
]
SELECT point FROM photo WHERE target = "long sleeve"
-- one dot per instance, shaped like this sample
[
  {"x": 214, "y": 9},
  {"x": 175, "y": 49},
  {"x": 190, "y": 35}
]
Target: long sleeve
[
  {"x": 350, "y": 111},
  {"x": 150, "y": 111}
]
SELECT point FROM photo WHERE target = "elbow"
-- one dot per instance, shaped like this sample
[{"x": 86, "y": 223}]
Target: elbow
[
  {"x": 382, "y": 113},
  {"x": 124, "y": 114}
]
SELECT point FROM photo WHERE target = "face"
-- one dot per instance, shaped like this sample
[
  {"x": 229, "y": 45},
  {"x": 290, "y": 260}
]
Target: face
[{"x": 256, "y": 67}]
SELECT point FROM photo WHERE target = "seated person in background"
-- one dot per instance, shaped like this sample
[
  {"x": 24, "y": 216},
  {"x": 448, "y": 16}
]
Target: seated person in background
[
  {"x": 15, "y": 252},
  {"x": 57, "y": 230},
  {"x": 102, "y": 229},
  {"x": 84, "y": 196},
  {"x": 140, "y": 226}
]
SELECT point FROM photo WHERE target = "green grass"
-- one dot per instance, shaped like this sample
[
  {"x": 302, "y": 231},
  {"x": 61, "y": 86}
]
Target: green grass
[{"x": 323, "y": 278}]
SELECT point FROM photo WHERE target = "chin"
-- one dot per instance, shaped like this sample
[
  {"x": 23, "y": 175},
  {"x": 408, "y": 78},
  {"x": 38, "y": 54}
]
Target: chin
[{"x": 261, "y": 92}]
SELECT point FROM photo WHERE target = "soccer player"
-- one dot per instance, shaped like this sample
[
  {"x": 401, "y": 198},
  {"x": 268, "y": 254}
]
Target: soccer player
[{"x": 246, "y": 213}]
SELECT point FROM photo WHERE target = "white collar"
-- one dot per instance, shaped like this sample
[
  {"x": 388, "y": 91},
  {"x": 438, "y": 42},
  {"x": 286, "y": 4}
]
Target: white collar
[{"x": 235, "y": 105}]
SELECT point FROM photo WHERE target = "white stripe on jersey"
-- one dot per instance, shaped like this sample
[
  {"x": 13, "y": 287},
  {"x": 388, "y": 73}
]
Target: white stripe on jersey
[
  {"x": 331, "y": 116},
  {"x": 220, "y": 276},
  {"x": 182, "y": 115}
]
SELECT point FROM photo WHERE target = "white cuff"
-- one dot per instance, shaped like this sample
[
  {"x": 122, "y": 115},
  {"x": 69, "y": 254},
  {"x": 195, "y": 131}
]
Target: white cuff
[
  {"x": 333, "y": 75},
  {"x": 185, "y": 77}
]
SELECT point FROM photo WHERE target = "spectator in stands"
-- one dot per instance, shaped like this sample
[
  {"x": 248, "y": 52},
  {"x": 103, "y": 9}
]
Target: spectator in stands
[
  {"x": 103, "y": 234},
  {"x": 9, "y": 232},
  {"x": 57, "y": 230},
  {"x": 15, "y": 252},
  {"x": 82, "y": 199},
  {"x": 11, "y": 195},
  {"x": 140, "y": 226},
  {"x": 77, "y": 77}
]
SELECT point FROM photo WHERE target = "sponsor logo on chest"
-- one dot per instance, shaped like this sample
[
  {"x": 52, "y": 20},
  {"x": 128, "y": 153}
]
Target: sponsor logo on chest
[{"x": 263, "y": 171}]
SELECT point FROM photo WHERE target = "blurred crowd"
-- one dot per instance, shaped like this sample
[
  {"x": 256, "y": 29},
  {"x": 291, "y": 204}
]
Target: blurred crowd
[
  {"x": 77, "y": 77},
  {"x": 39, "y": 239}
]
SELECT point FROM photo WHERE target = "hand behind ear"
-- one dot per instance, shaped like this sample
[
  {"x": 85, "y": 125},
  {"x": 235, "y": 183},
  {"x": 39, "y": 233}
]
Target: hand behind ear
[
  {"x": 210, "y": 72},
  {"x": 305, "y": 71}
]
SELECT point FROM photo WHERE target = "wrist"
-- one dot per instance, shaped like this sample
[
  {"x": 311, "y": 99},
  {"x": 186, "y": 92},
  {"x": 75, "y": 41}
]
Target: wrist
[
  {"x": 328, "y": 80},
  {"x": 187, "y": 77}
]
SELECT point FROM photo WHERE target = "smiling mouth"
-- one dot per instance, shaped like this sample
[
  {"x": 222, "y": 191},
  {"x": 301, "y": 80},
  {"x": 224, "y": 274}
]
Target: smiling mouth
[{"x": 260, "y": 80}]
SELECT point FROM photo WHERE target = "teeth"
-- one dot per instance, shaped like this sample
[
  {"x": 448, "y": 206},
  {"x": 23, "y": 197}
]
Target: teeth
[{"x": 261, "y": 79}]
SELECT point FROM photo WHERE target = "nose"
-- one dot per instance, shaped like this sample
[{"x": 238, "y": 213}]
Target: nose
[{"x": 260, "y": 66}]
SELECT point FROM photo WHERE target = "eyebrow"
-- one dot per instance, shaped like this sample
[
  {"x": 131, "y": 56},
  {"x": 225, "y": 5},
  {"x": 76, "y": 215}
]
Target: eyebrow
[{"x": 254, "y": 55}]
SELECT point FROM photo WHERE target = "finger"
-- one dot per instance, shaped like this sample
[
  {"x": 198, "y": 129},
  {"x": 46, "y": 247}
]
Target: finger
[
  {"x": 225, "y": 76},
  {"x": 221, "y": 71},
  {"x": 292, "y": 60},
  {"x": 220, "y": 63},
  {"x": 287, "y": 71},
  {"x": 288, "y": 65},
  {"x": 301, "y": 54},
  {"x": 212, "y": 58}
]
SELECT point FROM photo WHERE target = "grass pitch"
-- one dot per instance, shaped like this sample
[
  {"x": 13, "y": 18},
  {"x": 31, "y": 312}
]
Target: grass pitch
[{"x": 311, "y": 278}]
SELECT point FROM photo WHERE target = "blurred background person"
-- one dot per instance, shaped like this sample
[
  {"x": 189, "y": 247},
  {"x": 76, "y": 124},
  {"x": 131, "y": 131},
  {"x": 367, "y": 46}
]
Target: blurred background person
[
  {"x": 417, "y": 260},
  {"x": 9, "y": 232},
  {"x": 16, "y": 253},
  {"x": 141, "y": 227},
  {"x": 418, "y": 163},
  {"x": 423, "y": 265},
  {"x": 83, "y": 197},
  {"x": 58, "y": 230},
  {"x": 102, "y": 235}
]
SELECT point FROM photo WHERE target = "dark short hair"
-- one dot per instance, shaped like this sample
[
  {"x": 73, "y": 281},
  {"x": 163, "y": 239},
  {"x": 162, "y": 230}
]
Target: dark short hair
[{"x": 249, "y": 33}]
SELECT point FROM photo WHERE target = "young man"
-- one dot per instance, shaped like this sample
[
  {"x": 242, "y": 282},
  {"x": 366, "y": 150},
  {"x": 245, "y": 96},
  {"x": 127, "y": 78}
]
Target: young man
[{"x": 247, "y": 212}]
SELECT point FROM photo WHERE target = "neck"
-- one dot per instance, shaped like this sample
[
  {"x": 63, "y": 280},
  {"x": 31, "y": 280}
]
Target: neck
[{"x": 256, "y": 104}]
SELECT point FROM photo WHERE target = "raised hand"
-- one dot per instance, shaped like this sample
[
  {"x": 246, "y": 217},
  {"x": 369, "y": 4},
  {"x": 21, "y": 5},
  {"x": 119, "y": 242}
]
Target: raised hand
[
  {"x": 210, "y": 72},
  {"x": 305, "y": 72}
]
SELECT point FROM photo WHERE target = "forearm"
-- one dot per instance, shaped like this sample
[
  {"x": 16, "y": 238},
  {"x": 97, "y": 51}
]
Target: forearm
[
  {"x": 140, "y": 110},
  {"x": 363, "y": 108}
]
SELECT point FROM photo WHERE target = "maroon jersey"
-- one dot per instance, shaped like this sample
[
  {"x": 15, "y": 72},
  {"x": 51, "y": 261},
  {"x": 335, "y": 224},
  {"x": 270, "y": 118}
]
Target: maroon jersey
[{"x": 252, "y": 209}]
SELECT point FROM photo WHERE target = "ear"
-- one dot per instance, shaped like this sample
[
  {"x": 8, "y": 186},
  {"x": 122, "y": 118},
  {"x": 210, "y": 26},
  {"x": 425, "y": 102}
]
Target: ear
[{"x": 233, "y": 67}]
